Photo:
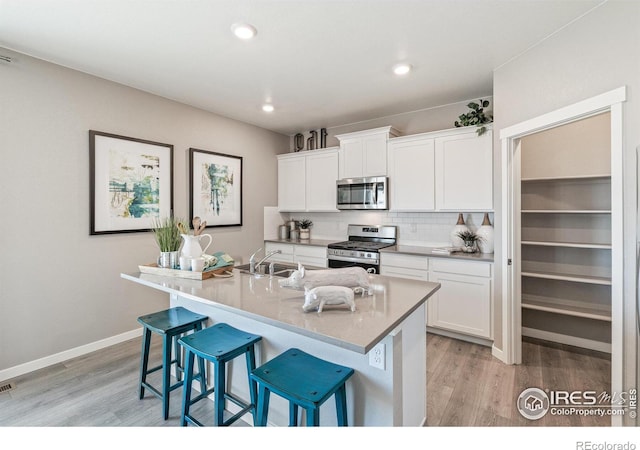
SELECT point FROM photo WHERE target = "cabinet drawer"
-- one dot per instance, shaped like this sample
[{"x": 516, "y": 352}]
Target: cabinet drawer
[
  {"x": 311, "y": 251},
  {"x": 476, "y": 269},
  {"x": 286, "y": 249},
  {"x": 310, "y": 261},
  {"x": 401, "y": 272},
  {"x": 404, "y": 260}
]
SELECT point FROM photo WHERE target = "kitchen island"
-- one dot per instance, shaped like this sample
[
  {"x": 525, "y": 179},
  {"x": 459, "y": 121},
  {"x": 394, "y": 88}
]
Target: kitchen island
[{"x": 384, "y": 340}]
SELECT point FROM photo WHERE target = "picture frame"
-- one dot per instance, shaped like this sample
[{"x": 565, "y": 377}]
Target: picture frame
[
  {"x": 215, "y": 188},
  {"x": 131, "y": 183}
]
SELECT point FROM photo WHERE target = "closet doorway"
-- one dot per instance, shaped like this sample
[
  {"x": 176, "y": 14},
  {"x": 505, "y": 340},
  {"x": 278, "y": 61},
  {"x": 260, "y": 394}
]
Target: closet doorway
[{"x": 562, "y": 233}]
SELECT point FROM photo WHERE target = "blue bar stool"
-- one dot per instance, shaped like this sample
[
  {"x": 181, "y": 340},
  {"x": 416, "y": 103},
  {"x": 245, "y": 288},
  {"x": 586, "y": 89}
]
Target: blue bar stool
[
  {"x": 218, "y": 344},
  {"x": 305, "y": 381},
  {"x": 170, "y": 324}
]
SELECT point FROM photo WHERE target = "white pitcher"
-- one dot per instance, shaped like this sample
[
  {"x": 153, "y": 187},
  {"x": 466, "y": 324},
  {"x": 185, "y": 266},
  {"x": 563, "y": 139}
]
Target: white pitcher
[{"x": 192, "y": 247}]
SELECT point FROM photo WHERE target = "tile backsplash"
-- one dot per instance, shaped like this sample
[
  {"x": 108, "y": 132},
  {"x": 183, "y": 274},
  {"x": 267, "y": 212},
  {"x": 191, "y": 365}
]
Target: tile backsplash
[{"x": 419, "y": 229}]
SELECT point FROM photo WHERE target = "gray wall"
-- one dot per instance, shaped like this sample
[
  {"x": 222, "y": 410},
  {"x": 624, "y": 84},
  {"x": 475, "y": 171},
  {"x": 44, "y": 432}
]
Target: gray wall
[
  {"x": 597, "y": 53},
  {"x": 59, "y": 287}
]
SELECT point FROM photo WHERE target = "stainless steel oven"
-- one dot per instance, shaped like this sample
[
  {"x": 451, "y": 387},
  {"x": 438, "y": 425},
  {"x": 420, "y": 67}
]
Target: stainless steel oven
[
  {"x": 362, "y": 248},
  {"x": 362, "y": 193}
]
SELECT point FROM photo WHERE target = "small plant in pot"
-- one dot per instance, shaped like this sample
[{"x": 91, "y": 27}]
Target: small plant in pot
[
  {"x": 305, "y": 228},
  {"x": 470, "y": 240},
  {"x": 167, "y": 234}
]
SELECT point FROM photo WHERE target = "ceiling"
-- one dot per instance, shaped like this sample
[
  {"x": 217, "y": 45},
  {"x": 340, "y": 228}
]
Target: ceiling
[{"x": 320, "y": 63}]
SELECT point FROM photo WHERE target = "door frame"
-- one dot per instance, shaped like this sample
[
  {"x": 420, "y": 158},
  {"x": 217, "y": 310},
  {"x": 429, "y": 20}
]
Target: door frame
[{"x": 510, "y": 141}]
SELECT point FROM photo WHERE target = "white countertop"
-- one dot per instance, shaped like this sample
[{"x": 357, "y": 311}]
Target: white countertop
[
  {"x": 262, "y": 299},
  {"x": 428, "y": 251}
]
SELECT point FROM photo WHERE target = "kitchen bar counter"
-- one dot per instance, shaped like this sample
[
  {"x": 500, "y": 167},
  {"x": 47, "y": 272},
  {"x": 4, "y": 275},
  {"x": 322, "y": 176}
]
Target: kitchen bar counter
[{"x": 384, "y": 340}]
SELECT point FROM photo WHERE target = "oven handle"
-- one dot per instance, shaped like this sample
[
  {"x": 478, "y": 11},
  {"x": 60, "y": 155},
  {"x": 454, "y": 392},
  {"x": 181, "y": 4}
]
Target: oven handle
[{"x": 355, "y": 260}]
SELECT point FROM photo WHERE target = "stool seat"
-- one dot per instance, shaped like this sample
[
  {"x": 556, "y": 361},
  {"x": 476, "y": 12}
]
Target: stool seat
[
  {"x": 218, "y": 344},
  {"x": 169, "y": 324},
  {"x": 305, "y": 381}
]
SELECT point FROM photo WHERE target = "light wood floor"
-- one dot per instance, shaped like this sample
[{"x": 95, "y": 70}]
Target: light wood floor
[{"x": 466, "y": 387}]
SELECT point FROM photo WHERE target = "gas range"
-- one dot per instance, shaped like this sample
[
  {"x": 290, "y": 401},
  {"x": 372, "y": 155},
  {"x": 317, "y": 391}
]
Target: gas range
[{"x": 362, "y": 248}]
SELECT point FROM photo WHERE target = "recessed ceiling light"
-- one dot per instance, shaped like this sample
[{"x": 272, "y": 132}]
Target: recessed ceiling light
[
  {"x": 267, "y": 108},
  {"x": 244, "y": 30},
  {"x": 402, "y": 69}
]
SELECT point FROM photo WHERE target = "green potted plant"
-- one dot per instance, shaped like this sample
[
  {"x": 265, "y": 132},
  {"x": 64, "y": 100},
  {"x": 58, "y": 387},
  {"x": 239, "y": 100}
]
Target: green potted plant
[
  {"x": 305, "y": 228},
  {"x": 167, "y": 234},
  {"x": 476, "y": 117},
  {"x": 470, "y": 240}
]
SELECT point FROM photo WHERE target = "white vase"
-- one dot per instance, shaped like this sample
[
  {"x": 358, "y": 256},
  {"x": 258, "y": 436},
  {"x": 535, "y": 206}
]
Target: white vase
[
  {"x": 460, "y": 227},
  {"x": 486, "y": 234},
  {"x": 305, "y": 234}
]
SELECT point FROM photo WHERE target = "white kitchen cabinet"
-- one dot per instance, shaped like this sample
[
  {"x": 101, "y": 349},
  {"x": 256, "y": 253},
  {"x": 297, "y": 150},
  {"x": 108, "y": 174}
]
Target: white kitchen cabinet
[
  {"x": 364, "y": 153},
  {"x": 291, "y": 182},
  {"x": 308, "y": 255},
  {"x": 307, "y": 181},
  {"x": 321, "y": 176},
  {"x": 464, "y": 171},
  {"x": 402, "y": 265},
  {"x": 411, "y": 164},
  {"x": 463, "y": 302}
]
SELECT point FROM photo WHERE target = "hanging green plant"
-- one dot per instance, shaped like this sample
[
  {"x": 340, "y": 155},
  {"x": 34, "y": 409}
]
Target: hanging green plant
[{"x": 475, "y": 117}]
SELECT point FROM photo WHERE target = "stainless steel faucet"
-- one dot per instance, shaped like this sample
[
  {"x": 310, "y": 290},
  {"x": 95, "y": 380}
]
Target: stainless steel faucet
[{"x": 253, "y": 265}]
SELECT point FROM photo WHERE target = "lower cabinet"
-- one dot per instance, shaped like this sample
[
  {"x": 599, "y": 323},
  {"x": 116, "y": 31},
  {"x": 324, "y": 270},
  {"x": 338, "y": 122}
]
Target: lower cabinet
[
  {"x": 308, "y": 255},
  {"x": 463, "y": 304}
]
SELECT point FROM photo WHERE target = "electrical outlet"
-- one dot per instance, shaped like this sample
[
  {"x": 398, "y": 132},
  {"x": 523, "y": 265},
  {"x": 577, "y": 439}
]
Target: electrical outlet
[{"x": 377, "y": 356}]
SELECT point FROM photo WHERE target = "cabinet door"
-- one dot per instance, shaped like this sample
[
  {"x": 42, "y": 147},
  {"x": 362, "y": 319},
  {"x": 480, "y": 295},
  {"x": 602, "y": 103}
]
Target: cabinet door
[
  {"x": 374, "y": 152},
  {"x": 292, "y": 183},
  {"x": 412, "y": 175},
  {"x": 462, "y": 304},
  {"x": 322, "y": 173},
  {"x": 351, "y": 158},
  {"x": 464, "y": 172}
]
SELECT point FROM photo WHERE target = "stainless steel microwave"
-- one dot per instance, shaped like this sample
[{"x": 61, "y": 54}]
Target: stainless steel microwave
[{"x": 362, "y": 193}]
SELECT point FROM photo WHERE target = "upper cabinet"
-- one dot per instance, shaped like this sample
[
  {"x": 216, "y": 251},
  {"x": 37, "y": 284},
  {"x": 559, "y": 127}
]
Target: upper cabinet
[
  {"x": 364, "y": 153},
  {"x": 450, "y": 170},
  {"x": 307, "y": 180},
  {"x": 464, "y": 171},
  {"x": 411, "y": 162}
]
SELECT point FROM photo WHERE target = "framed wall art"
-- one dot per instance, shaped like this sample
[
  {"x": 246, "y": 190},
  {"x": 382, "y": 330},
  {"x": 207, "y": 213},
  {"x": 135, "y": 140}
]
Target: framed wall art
[
  {"x": 131, "y": 183},
  {"x": 215, "y": 188}
]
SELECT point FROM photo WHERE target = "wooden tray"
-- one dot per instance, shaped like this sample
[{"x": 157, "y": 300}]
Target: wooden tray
[{"x": 208, "y": 273}]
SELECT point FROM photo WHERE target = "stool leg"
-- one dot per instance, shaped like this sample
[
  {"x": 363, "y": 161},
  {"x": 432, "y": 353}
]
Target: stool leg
[
  {"x": 341, "y": 406},
  {"x": 144, "y": 360},
  {"x": 263, "y": 405},
  {"x": 253, "y": 387},
  {"x": 293, "y": 414},
  {"x": 202, "y": 374},
  {"x": 178, "y": 353},
  {"x": 166, "y": 374},
  {"x": 218, "y": 393},
  {"x": 313, "y": 417},
  {"x": 186, "y": 387}
]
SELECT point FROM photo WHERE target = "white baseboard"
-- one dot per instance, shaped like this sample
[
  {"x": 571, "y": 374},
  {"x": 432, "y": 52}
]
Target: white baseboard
[
  {"x": 462, "y": 337},
  {"x": 499, "y": 354},
  {"x": 566, "y": 339},
  {"x": 47, "y": 361}
]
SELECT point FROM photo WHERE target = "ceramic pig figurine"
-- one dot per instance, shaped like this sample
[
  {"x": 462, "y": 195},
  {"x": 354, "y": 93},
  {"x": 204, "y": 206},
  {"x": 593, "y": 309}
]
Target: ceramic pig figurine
[
  {"x": 319, "y": 296},
  {"x": 308, "y": 279}
]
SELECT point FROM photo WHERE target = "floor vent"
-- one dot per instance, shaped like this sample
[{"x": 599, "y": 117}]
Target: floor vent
[{"x": 6, "y": 387}]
